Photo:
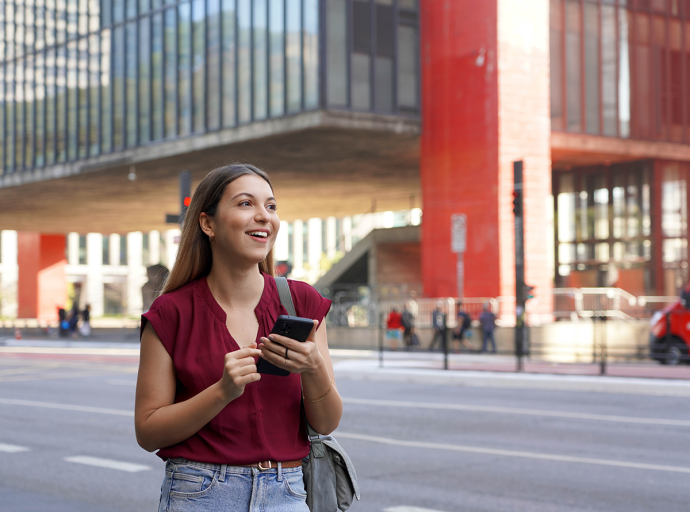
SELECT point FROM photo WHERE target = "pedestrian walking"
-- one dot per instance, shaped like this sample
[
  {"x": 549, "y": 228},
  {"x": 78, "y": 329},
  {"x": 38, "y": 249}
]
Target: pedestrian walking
[
  {"x": 464, "y": 324},
  {"x": 232, "y": 439},
  {"x": 488, "y": 323},
  {"x": 438, "y": 323},
  {"x": 73, "y": 320},
  {"x": 85, "y": 327},
  {"x": 407, "y": 321}
]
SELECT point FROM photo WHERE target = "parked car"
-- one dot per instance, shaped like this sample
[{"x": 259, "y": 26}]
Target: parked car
[{"x": 669, "y": 337}]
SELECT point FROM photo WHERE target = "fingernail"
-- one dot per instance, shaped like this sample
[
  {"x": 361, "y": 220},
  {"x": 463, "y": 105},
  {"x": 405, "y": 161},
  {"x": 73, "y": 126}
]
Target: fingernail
[{"x": 270, "y": 337}]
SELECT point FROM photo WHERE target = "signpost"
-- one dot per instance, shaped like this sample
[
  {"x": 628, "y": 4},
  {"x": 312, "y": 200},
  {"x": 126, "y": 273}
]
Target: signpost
[
  {"x": 520, "y": 298},
  {"x": 458, "y": 244}
]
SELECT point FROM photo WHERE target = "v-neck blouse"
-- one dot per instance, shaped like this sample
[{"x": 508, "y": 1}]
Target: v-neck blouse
[{"x": 266, "y": 422}]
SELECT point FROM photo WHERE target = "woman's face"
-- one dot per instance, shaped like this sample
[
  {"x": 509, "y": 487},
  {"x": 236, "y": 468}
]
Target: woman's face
[{"x": 246, "y": 224}]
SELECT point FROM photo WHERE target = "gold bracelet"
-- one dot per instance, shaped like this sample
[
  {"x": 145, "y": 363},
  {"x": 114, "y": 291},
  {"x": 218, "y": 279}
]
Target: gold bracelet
[{"x": 321, "y": 397}]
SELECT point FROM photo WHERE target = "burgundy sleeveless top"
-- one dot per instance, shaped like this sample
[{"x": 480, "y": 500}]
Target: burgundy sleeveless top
[{"x": 266, "y": 422}]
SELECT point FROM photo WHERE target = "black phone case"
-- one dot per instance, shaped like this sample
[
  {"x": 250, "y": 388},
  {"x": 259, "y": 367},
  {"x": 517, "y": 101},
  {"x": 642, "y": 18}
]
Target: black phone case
[{"x": 294, "y": 327}]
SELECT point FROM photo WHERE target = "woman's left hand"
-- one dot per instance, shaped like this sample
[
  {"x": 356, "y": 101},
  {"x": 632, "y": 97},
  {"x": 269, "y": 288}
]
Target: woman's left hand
[{"x": 300, "y": 357}]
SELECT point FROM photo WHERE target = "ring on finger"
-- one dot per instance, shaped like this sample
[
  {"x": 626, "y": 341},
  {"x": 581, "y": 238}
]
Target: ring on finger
[
  {"x": 286, "y": 362},
  {"x": 286, "y": 356}
]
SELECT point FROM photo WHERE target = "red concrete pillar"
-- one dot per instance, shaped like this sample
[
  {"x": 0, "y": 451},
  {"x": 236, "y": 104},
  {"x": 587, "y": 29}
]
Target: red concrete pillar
[
  {"x": 485, "y": 103},
  {"x": 41, "y": 283}
]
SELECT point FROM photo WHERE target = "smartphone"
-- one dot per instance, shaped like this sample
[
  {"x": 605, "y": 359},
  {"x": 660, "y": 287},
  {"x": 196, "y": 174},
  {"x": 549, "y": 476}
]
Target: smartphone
[{"x": 294, "y": 327}]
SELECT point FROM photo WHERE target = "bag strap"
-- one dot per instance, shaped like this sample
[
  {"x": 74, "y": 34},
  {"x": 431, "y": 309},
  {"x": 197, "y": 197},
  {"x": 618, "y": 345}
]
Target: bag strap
[
  {"x": 286, "y": 301},
  {"x": 285, "y": 295}
]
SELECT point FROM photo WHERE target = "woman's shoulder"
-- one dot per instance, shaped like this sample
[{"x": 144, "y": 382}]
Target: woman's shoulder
[{"x": 173, "y": 300}]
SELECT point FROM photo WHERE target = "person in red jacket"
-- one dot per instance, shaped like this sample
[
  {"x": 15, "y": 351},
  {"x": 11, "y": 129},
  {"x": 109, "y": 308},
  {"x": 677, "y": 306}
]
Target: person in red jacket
[
  {"x": 394, "y": 328},
  {"x": 232, "y": 439}
]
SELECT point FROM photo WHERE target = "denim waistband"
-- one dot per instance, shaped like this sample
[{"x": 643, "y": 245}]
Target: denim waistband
[{"x": 226, "y": 468}]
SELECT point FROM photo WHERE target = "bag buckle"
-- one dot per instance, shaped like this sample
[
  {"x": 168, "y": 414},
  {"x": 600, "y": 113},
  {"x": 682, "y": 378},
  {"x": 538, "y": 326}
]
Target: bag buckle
[{"x": 261, "y": 467}]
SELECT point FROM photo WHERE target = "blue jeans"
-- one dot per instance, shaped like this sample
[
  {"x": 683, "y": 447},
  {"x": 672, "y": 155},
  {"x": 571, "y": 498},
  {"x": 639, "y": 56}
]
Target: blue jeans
[
  {"x": 195, "y": 486},
  {"x": 488, "y": 336}
]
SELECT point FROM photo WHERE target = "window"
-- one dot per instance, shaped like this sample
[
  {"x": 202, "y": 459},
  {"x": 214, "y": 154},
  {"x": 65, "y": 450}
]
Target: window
[
  {"x": 184, "y": 86},
  {"x": 244, "y": 75},
  {"x": 170, "y": 71},
  {"x": 260, "y": 58},
  {"x": 213, "y": 65},
  {"x": 603, "y": 228},
  {"x": 336, "y": 47},
  {"x": 619, "y": 68},
  {"x": 145, "y": 250},
  {"x": 277, "y": 49},
  {"x": 228, "y": 81},
  {"x": 131, "y": 93},
  {"x": 106, "y": 250},
  {"x": 123, "y": 249},
  {"x": 293, "y": 52},
  {"x": 361, "y": 58},
  {"x": 144, "y": 99},
  {"x": 199, "y": 65},
  {"x": 82, "y": 250}
]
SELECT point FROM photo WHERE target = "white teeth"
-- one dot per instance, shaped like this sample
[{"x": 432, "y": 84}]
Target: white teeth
[{"x": 258, "y": 233}]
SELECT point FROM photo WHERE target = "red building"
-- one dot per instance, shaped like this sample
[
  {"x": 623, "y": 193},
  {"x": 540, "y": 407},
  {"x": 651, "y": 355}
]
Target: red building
[{"x": 594, "y": 96}]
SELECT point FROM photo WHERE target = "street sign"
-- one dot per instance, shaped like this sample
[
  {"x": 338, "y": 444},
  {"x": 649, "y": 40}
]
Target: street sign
[{"x": 458, "y": 232}]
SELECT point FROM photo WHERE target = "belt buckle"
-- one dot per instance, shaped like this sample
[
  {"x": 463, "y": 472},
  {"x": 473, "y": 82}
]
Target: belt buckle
[{"x": 260, "y": 465}]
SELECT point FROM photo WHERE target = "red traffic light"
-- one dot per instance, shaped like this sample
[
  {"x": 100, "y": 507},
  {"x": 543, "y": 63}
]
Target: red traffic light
[{"x": 187, "y": 200}]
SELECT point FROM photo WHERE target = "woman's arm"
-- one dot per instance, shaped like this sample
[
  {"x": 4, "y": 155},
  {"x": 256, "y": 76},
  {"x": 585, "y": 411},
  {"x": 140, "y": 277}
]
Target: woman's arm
[
  {"x": 158, "y": 421},
  {"x": 312, "y": 360}
]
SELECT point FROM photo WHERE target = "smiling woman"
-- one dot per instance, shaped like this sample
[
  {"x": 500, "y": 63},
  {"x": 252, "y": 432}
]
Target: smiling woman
[{"x": 232, "y": 438}]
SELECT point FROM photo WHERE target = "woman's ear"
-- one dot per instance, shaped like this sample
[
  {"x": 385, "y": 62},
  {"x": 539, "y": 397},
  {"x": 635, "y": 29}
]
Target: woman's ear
[{"x": 206, "y": 224}]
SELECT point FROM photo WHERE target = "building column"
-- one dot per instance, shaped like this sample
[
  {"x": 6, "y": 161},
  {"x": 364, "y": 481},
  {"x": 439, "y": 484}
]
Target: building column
[
  {"x": 481, "y": 112},
  {"x": 41, "y": 279},
  {"x": 136, "y": 273},
  {"x": 93, "y": 294},
  {"x": 8, "y": 274}
]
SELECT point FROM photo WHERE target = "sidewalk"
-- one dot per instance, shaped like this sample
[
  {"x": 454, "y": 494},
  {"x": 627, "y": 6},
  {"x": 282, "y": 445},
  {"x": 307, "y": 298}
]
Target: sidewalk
[
  {"x": 474, "y": 370},
  {"x": 488, "y": 370}
]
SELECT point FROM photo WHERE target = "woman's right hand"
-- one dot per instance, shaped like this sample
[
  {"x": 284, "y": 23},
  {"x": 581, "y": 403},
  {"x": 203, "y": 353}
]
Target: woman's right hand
[{"x": 239, "y": 370}]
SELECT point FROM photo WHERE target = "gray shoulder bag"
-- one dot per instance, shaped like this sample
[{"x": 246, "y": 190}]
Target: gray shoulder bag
[{"x": 329, "y": 475}]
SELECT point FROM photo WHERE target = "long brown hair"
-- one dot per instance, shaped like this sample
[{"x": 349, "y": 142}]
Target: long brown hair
[{"x": 194, "y": 257}]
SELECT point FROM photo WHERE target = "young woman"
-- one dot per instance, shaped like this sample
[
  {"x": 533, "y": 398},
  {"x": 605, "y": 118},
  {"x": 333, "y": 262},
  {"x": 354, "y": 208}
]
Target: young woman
[{"x": 232, "y": 439}]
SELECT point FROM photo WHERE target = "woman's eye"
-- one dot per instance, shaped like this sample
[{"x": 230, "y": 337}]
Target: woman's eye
[
  {"x": 245, "y": 203},
  {"x": 273, "y": 207}
]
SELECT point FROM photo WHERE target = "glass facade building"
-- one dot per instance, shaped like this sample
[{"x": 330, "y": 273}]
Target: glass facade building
[
  {"x": 84, "y": 78},
  {"x": 621, "y": 68}
]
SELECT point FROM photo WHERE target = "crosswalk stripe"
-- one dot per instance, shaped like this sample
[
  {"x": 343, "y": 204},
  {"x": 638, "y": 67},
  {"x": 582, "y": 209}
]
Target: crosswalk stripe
[
  {"x": 67, "y": 407},
  {"x": 12, "y": 448},
  {"x": 107, "y": 463}
]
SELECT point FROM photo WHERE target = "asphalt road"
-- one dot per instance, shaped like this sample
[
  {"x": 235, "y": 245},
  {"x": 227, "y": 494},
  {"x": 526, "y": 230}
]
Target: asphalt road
[{"x": 430, "y": 446}]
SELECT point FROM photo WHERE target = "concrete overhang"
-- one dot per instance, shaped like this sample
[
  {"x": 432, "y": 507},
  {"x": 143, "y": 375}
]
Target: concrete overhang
[
  {"x": 322, "y": 163},
  {"x": 570, "y": 150}
]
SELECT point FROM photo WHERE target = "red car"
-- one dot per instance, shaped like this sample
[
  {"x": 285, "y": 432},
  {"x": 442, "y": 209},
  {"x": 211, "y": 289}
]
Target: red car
[{"x": 669, "y": 338}]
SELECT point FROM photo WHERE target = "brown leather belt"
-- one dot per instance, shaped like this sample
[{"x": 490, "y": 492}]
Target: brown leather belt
[{"x": 271, "y": 464}]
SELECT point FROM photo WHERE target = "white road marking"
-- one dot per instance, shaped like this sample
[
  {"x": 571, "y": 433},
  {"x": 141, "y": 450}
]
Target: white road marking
[
  {"x": 513, "y": 453},
  {"x": 515, "y": 410},
  {"x": 409, "y": 509},
  {"x": 67, "y": 407},
  {"x": 108, "y": 463},
  {"x": 122, "y": 382},
  {"x": 12, "y": 448}
]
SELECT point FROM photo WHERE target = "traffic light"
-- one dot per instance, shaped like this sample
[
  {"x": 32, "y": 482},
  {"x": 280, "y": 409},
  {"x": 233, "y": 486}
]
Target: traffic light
[
  {"x": 529, "y": 292},
  {"x": 517, "y": 203}
]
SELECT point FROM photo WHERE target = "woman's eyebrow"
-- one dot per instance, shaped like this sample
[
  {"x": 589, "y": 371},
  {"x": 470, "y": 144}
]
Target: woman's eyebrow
[{"x": 251, "y": 195}]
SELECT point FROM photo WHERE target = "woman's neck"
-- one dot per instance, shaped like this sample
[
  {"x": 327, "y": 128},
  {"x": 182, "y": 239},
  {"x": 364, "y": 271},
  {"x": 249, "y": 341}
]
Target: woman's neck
[{"x": 236, "y": 288}]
